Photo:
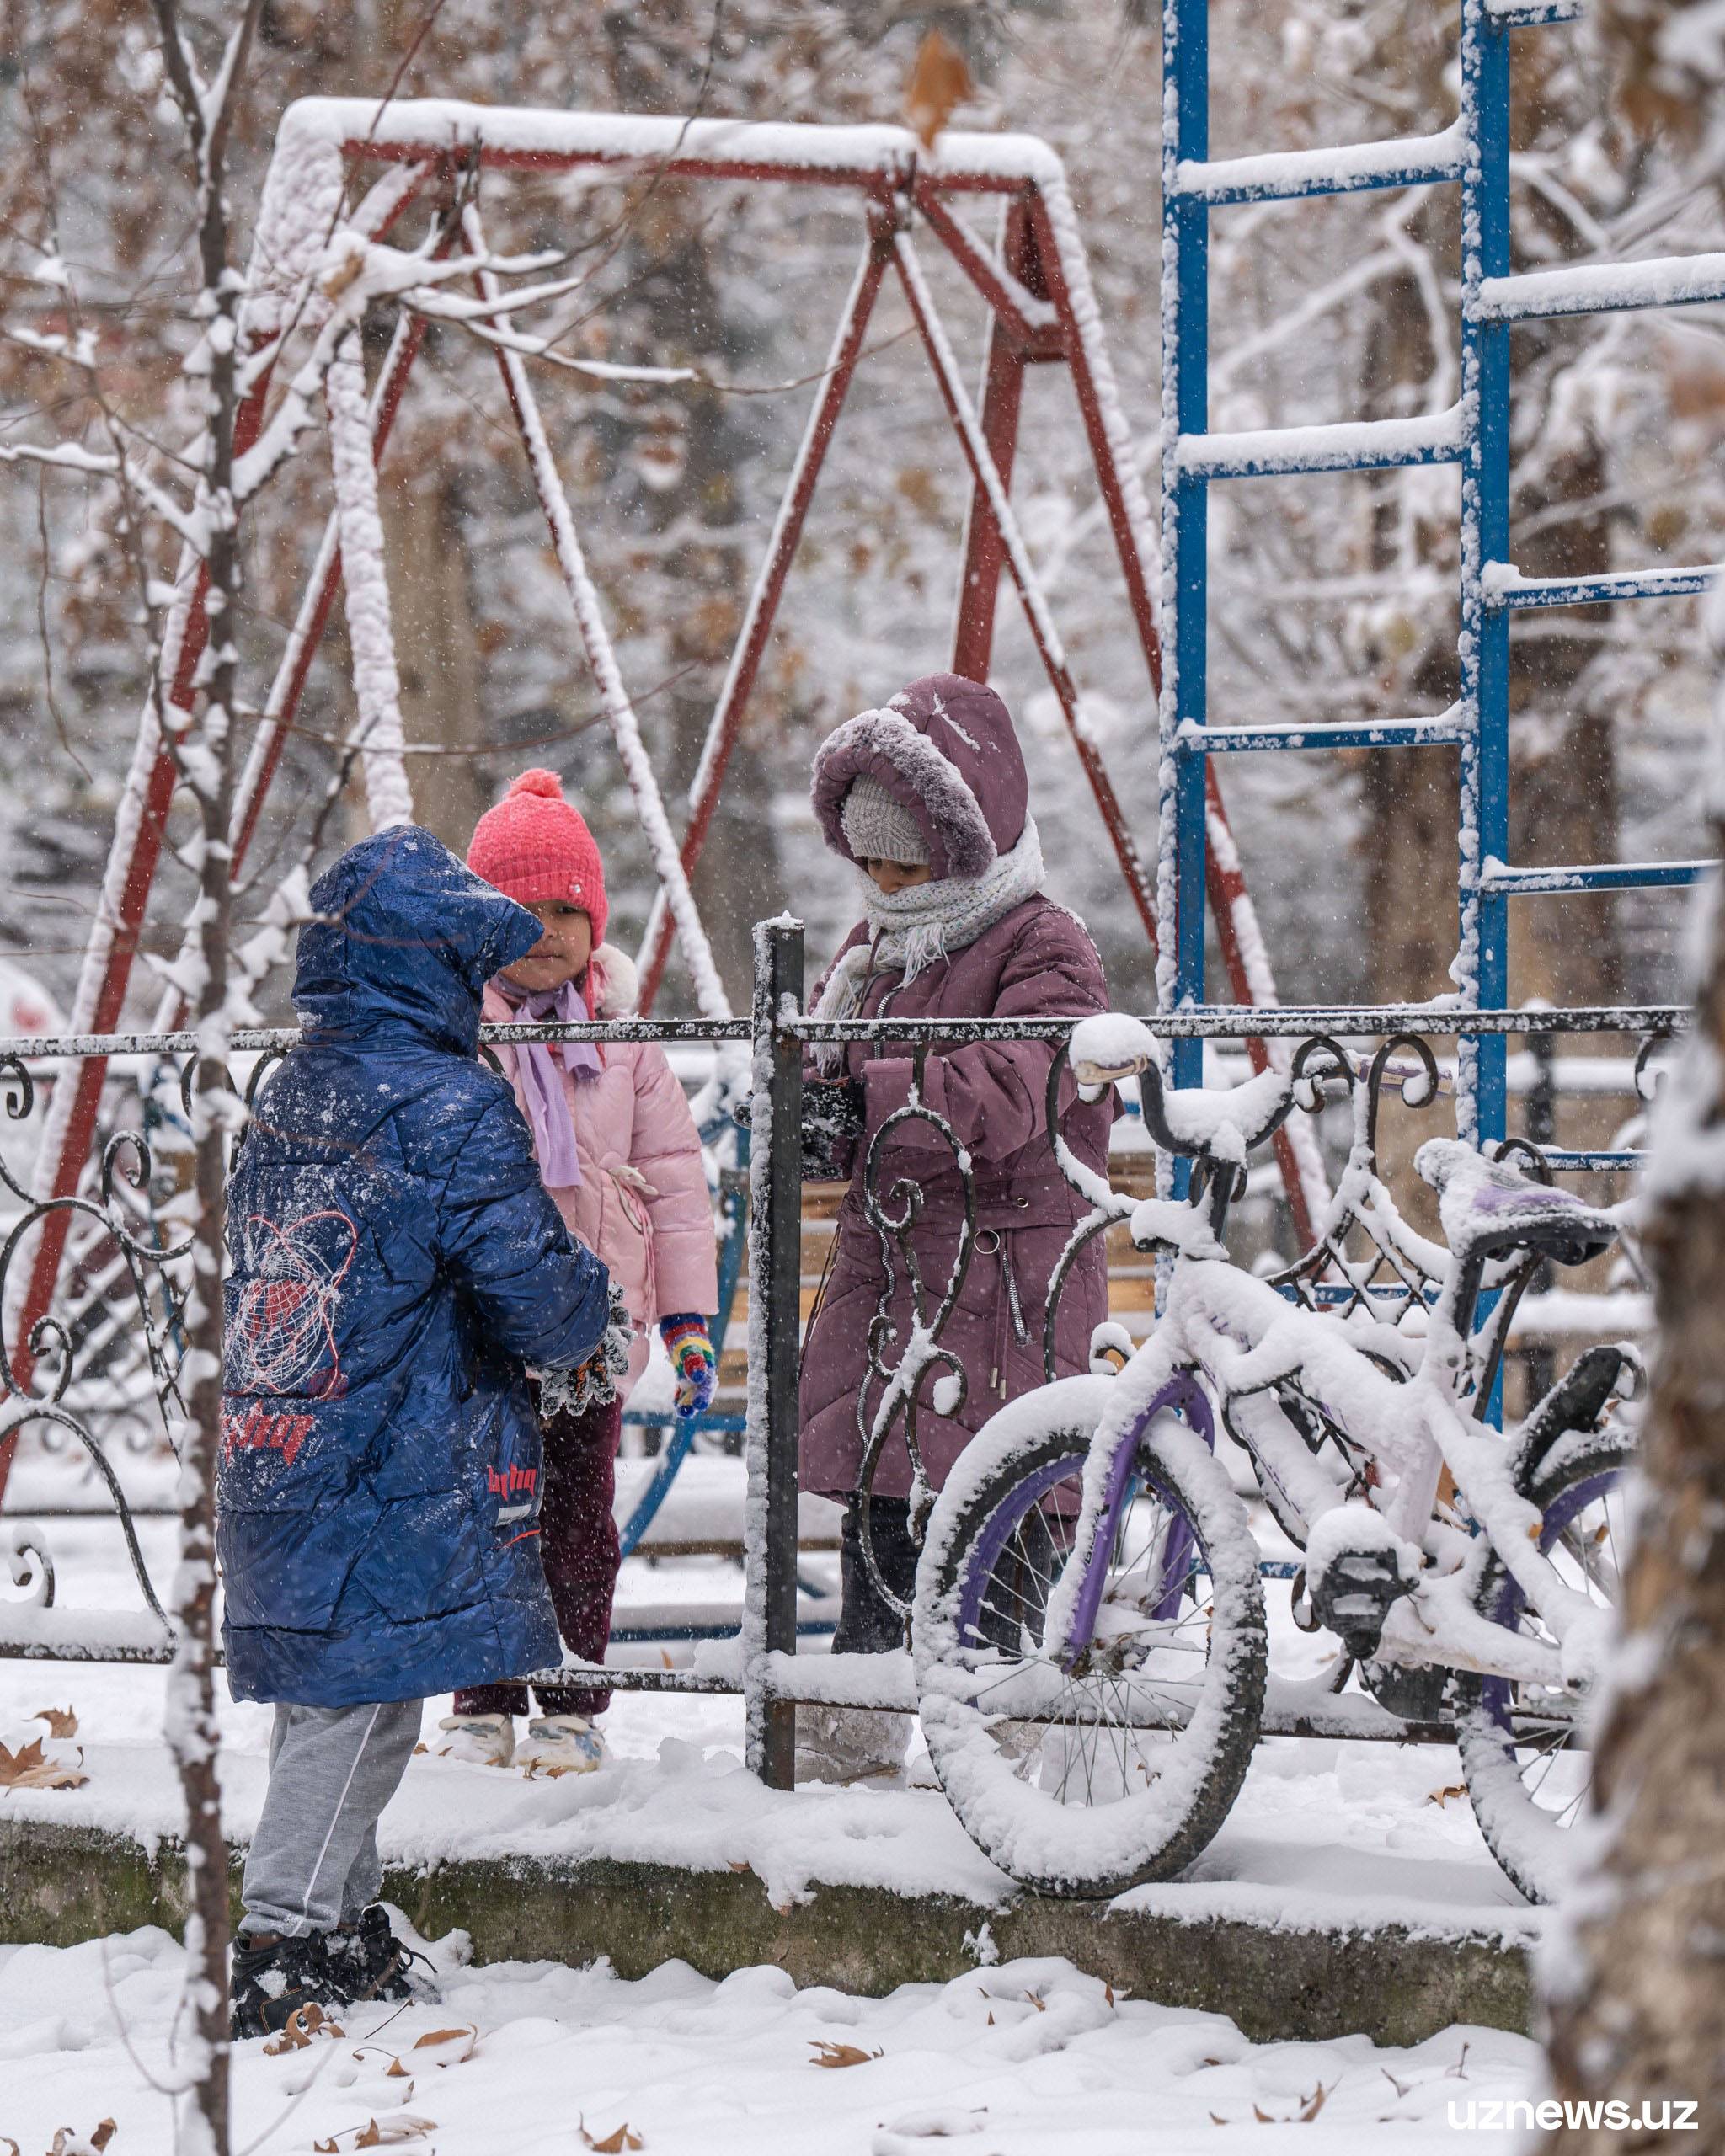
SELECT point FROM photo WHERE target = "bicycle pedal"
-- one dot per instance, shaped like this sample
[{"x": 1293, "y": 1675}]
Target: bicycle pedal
[
  {"x": 1416, "y": 1692},
  {"x": 1354, "y": 1594}
]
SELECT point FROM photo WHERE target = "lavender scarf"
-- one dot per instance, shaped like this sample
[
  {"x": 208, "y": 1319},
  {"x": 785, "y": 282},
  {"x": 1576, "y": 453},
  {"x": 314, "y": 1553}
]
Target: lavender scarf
[{"x": 542, "y": 1083}]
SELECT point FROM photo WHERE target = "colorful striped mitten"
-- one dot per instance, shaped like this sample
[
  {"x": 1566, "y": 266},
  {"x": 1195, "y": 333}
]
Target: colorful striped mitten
[{"x": 686, "y": 1342}]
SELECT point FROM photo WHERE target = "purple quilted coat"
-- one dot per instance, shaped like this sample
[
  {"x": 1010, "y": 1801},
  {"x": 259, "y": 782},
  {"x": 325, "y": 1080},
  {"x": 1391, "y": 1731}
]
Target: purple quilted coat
[{"x": 947, "y": 751}]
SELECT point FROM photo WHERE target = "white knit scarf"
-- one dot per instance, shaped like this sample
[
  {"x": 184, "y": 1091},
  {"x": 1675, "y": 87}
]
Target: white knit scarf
[{"x": 911, "y": 928}]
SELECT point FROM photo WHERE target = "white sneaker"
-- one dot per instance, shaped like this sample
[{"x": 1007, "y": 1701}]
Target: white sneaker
[
  {"x": 482, "y": 1740},
  {"x": 561, "y": 1744},
  {"x": 851, "y": 1744}
]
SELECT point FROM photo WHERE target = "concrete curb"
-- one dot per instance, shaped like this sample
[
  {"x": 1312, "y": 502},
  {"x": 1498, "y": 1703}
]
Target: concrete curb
[{"x": 59, "y": 1885}]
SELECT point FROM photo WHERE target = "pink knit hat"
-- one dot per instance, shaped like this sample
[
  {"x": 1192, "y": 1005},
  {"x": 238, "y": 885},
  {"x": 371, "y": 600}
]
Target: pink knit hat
[{"x": 534, "y": 848}]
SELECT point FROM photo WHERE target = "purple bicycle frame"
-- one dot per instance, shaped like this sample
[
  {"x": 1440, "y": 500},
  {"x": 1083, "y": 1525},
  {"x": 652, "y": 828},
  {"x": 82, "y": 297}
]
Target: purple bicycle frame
[{"x": 1183, "y": 1394}]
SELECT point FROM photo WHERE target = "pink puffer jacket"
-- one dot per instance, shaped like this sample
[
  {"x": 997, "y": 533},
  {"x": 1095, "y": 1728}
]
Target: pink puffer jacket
[{"x": 642, "y": 1205}]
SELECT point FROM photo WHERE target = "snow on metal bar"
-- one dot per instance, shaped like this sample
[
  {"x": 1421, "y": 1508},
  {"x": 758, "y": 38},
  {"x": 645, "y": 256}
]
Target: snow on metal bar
[
  {"x": 1351, "y": 445},
  {"x": 415, "y": 127},
  {"x": 1444, "y": 731},
  {"x": 37, "y": 1048},
  {"x": 1590, "y": 876},
  {"x": 30, "y": 1633},
  {"x": 1285, "y": 175},
  {"x": 1532, "y": 14},
  {"x": 389, "y": 797},
  {"x": 1560, "y": 1156},
  {"x": 1602, "y": 288},
  {"x": 1194, "y": 1021},
  {"x": 1237, "y": 1021},
  {"x": 1506, "y": 587}
]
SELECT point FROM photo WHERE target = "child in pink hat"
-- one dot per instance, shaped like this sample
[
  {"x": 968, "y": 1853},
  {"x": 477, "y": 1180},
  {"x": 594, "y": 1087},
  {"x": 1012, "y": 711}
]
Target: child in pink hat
[{"x": 619, "y": 1153}]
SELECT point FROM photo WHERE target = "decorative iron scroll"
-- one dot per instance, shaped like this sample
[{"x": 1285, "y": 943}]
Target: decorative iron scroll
[
  {"x": 894, "y": 1214},
  {"x": 93, "y": 1355}
]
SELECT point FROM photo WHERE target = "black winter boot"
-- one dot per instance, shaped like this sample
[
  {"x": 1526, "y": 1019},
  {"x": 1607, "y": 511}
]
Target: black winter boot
[
  {"x": 369, "y": 1962},
  {"x": 272, "y": 1977}
]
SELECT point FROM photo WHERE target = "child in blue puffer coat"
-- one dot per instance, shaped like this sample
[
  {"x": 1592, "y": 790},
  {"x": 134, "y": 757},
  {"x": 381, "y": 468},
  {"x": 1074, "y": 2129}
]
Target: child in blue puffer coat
[{"x": 397, "y": 1267}]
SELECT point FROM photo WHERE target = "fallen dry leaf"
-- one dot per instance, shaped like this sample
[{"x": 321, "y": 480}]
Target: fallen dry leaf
[
  {"x": 613, "y": 2144},
  {"x": 304, "y": 2023},
  {"x": 418, "y": 1748},
  {"x": 939, "y": 83},
  {"x": 1441, "y": 1797},
  {"x": 443, "y": 2047},
  {"x": 392, "y": 2126},
  {"x": 1107, "y": 1992},
  {"x": 831, "y": 2054},
  {"x": 1314, "y": 2104},
  {"x": 28, "y": 1768},
  {"x": 1037, "y": 2002},
  {"x": 61, "y": 1720},
  {"x": 66, "y": 2143},
  {"x": 740, "y": 1863}
]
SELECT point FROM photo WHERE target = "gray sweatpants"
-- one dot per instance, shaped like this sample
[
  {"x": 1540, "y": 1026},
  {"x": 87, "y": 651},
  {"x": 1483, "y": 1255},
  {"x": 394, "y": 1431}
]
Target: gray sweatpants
[{"x": 313, "y": 1862}]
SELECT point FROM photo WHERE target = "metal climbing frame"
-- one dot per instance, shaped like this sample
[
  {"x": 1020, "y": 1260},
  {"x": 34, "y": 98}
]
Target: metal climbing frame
[
  {"x": 1473, "y": 153},
  {"x": 1042, "y": 310}
]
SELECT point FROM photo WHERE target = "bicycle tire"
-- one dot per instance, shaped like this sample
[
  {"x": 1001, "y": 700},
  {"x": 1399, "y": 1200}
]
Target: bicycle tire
[
  {"x": 1055, "y": 1844},
  {"x": 1529, "y": 1840}
]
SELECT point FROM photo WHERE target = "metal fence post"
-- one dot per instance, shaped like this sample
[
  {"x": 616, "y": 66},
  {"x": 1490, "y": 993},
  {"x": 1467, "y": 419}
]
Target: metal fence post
[{"x": 775, "y": 1287}]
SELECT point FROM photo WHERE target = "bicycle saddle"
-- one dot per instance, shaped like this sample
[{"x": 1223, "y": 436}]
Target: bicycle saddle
[{"x": 1489, "y": 1208}]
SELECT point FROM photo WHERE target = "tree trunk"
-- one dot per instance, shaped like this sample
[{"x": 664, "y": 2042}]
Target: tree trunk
[{"x": 1638, "y": 2000}]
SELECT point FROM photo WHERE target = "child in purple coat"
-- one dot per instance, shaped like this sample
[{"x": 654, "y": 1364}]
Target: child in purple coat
[{"x": 928, "y": 798}]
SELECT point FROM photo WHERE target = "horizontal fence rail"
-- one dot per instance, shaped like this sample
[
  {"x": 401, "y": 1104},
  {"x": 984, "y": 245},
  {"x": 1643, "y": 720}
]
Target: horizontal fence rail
[{"x": 110, "y": 1360}]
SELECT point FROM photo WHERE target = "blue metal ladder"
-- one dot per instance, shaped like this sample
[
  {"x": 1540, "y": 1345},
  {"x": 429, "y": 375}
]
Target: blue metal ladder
[{"x": 1474, "y": 433}]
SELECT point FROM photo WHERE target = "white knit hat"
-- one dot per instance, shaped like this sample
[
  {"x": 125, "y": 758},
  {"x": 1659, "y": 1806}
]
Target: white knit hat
[{"x": 878, "y": 828}]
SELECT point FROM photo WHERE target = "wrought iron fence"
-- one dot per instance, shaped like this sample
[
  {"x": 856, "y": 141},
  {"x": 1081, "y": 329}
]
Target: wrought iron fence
[{"x": 109, "y": 1352}]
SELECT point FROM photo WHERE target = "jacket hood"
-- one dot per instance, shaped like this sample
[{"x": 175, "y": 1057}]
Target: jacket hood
[
  {"x": 945, "y": 750},
  {"x": 405, "y": 941}
]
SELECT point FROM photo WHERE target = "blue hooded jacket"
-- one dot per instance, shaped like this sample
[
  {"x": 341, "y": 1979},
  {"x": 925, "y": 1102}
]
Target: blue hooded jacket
[{"x": 395, "y": 1263}]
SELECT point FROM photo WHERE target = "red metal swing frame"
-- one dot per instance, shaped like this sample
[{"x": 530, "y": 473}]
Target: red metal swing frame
[{"x": 1035, "y": 319}]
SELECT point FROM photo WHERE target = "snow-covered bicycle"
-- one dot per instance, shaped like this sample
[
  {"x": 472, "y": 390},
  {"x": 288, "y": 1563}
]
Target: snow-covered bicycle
[{"x": 1089, "y": 1632}]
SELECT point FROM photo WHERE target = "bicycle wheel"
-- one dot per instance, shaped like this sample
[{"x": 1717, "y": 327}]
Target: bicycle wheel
[
  {"x": 1522, "y": 1751},
  {"x": 1116, "y": 1764}
]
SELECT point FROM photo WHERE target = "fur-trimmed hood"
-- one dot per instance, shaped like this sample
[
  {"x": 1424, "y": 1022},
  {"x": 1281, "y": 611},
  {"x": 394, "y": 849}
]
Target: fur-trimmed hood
[
  {"x": 613, "y": 985},
  {"x": 945, "y": 750}
]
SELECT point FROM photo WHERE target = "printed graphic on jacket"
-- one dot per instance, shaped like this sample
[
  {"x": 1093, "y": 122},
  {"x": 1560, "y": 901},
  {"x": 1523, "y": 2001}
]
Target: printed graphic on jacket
[{"x": 283, "y": 1337}]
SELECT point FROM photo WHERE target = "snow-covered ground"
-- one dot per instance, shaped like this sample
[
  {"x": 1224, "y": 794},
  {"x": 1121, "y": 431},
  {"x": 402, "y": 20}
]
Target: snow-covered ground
[
  {"x": 1324, "y": 1832},
  {"x": 1024, "y": 2057},
  {"x": 1017, "y": 2059}
]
